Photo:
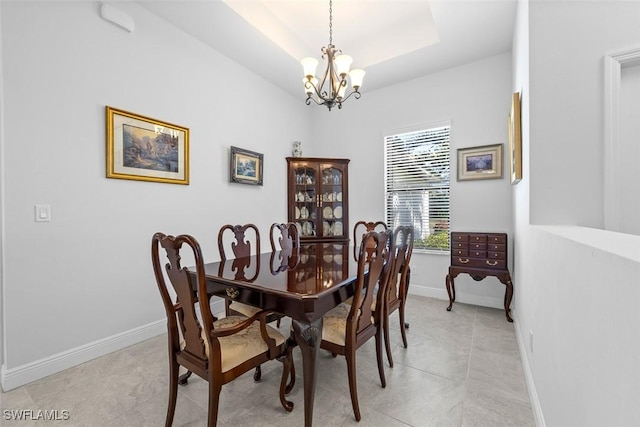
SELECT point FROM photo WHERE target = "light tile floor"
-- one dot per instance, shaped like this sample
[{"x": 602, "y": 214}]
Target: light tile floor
[{"x": 462, "y": 368}]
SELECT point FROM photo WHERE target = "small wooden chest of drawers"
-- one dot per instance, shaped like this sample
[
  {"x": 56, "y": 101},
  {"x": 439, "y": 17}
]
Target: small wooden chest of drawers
[
  {"x": 479, "y": 250},
  {"x": 479, "y": 255}
]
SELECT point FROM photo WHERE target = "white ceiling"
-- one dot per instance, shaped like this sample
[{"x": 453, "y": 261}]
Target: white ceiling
[{"x": 393, "y": 40}]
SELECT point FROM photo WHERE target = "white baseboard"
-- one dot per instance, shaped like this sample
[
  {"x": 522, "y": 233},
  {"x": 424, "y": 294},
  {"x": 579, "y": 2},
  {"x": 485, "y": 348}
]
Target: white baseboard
[
  {"x": 440, "y": 293},
  {"x": 538, "y": 416},
  {"x": 21, "y": 375}
]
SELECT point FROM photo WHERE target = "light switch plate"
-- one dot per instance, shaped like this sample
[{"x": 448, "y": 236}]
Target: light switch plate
[{"x": 43, "y": 213}]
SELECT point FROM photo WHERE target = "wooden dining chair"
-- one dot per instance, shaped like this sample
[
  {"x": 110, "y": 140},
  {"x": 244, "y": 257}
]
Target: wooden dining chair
[
  {"x": 397, "y": 283},
  {"x": 216, "y": 350},
  {"x": 245, "y": 237},
  {"x": 348, "y": 326},
  {"x": 363, "y": 227},
  {"x": 285, "y": 236},
  {"x": 241, "y": 248}
]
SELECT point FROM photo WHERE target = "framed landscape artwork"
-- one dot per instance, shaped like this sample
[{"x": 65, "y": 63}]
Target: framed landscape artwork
[
  {"x": 245, "y": 166},
  {"x": 483, "y": 162},
  {"x": 515, "y": 140},
  {"x": 145, "y": 149}
]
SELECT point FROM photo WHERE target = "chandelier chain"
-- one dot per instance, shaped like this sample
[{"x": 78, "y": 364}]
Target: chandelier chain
[{"x": 330, "y": 22}]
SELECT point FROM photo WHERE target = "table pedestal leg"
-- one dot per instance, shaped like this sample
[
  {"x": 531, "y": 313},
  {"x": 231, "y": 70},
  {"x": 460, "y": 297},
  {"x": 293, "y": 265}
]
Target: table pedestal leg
[{"x": 308, "y": 336}]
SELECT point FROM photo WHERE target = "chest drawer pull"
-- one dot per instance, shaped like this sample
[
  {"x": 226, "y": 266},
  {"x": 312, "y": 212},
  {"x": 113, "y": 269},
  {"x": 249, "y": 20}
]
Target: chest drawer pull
[
  {"x": 463, "y": 261},
  {"x": 492, "y": 263},
  {"x": 232, "y": 293}
]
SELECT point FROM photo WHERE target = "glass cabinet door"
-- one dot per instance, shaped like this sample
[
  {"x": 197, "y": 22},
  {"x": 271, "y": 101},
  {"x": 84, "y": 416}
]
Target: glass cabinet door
[
  {"x": 331, "y": 202},
  {"x": 305, "y": 201}
]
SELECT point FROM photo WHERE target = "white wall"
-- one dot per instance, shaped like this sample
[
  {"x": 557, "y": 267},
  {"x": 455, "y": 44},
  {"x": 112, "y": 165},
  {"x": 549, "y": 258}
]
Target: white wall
[
  {"x": 568, "y": 42},
  {"x": 86, "y": 276},
  {"x": 577, "y": 286},
  {"x": 630, "y": 148},
  {"x": 476, "y": 99}
]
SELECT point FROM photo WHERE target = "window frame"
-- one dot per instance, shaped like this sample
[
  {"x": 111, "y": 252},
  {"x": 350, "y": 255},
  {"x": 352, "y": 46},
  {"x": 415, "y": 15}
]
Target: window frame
[{"x": 428, "y": 185}]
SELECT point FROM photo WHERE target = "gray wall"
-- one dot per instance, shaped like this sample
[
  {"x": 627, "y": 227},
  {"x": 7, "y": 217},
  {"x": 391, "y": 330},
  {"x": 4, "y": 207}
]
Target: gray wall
[
  {"x": 82, "y": 285},
  {"x": 475, "y": 98},
  {"x": 576, "y": 287}
]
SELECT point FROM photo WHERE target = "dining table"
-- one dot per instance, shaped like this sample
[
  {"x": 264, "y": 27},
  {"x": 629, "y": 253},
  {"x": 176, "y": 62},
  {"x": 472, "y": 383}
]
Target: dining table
[{"x": 303, "y": 284}]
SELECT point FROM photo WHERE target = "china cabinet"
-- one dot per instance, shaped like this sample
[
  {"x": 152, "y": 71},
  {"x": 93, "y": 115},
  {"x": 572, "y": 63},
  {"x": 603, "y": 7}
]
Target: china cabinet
[{"x": 317, "y": 198}]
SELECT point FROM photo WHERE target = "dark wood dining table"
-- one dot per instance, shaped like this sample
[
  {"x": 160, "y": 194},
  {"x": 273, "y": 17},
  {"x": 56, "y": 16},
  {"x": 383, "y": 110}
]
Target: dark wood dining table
[{"x": 303, "y": 285}]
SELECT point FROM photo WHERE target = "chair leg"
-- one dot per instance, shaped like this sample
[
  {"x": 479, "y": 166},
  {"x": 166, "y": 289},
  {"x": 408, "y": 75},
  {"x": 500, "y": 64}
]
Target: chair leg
[
  {"x": 387, "y": 341},
  {"x": 403, "y": 325},
  {"x": 258, "y": 373},
  {"x": 214, "y": 399},
  {"x": 184, "y": 378},
  {"x": 353, "y": 387},
  {"x": 379, "y": 358},
  {"x": 287, "y": 363},
  {"x": 173, "y": 391}
]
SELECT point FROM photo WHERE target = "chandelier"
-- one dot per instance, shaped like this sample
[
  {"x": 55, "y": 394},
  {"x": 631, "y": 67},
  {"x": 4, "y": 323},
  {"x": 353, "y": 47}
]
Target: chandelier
[{"x": 334, "y": 77}]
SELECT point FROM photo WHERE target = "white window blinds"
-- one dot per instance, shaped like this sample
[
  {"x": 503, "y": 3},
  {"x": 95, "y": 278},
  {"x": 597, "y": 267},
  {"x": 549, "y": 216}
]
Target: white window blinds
[{"x": 417, "y": 185}]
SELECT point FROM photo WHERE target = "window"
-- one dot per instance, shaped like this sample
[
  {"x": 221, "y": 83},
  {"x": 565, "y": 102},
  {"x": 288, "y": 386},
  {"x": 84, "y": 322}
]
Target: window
[{"x": 417, "y": 184}]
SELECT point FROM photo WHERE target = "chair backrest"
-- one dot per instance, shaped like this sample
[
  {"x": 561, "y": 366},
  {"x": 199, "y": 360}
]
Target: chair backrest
[
  {"x": 373, "y": 265},
  {"x": 363, "y": 227},
  {"x": 181, "y": 315},
  {"x": 241, "y": 249},
  {"x": 287, "y": 235},
  {"x": 402, "y": 248},
  {"x": 242, "y": 245}
]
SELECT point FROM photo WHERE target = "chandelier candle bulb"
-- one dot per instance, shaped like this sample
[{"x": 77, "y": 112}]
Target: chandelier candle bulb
[
  {"x": 343, "y": 62},
  {"x": 357, "y": 76},
  {"x": 309, "y": 66}
]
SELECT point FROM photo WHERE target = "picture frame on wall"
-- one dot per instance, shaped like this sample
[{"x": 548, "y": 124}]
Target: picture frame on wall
[
  {"x": 482, "y": 162},
  {"x": 140, "y": 148},
  {"x": 245, "y": 166},
  {"x": 515, "y": 139}
]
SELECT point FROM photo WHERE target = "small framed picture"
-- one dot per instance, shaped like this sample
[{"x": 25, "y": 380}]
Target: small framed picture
[
  {"x": 245, "y": 166},
  {"x": 145, "y": 149},
  {"x": 483, "y": 162}
]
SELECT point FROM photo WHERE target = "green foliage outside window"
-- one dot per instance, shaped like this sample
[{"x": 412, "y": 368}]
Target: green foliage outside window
[{"x": 435, "y": 241}]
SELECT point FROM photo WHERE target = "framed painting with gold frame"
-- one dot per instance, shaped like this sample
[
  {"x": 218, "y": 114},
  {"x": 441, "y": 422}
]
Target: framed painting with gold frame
[
  {"x": 145, "y": 149},
  {"x": 483, "y": 162},
  {"x": 515, "y": 139}
]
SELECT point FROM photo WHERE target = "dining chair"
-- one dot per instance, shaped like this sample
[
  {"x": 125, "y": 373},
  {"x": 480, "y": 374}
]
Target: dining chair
[
  {"x": 348, "y": 326},
  {"x": 244, "y": 237},
  {"x": 216, "y": 350},
  {"x": 363, "y": 227},
  {"x": 240, "y": 244},
  {"x": 287, "y": 237},
  {"x": 397, "y": 283}
]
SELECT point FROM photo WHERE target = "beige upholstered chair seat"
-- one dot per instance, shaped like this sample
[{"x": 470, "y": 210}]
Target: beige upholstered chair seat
[
  {"x": 243, "y": 345},
  {"x": 334, "y": 324},
  {"x": 244, "y": 309}
]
